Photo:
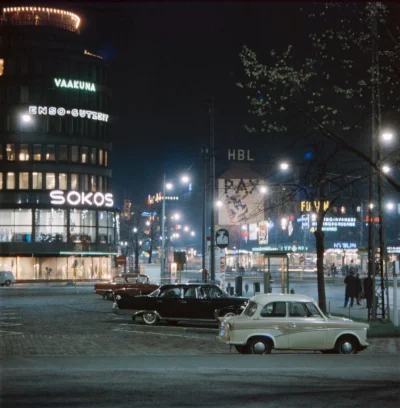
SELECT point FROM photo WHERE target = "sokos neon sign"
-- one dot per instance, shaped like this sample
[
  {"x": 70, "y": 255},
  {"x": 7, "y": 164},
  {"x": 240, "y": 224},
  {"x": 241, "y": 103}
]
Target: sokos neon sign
[{"x": 59, "y": 197}]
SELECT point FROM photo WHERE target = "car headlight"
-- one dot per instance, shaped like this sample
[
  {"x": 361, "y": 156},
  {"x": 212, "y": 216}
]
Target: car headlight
[{"x": 118, "y": 297}]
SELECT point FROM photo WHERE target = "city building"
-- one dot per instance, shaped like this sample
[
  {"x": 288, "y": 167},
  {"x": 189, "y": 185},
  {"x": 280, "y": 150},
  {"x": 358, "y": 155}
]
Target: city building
[{"x": 57, "y": 213}]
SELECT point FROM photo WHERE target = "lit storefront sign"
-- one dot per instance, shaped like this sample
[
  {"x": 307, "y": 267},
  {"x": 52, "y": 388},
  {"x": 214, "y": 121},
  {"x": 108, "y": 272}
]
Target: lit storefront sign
[
  {"x": 158, "y": 198},
  {"x": 311, "y": 205},
  {"x": 60, "y": 111},
  {"x": 332, "y": 223},
  {"x": 59, "y": 197},
  {"x": 393, "y": 250},
  {"x": 74, "y": 84},
  {"x": 345, "y": 245},
  {"x": 263, "y": 232}
]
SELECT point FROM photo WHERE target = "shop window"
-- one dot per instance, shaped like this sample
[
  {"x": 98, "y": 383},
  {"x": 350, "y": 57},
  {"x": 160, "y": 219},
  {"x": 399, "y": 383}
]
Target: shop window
[
  {"x": 51, "y": 225},
  {"x": 23, "y": 152},
  {"x": 1, "y": 66},
  {"x": 10, "y": 182},
  {"x": 62, "y": 181},
  {"x": 82, "y": 226},
  {"x": 85, "y": 182},
  {"x": 84, "y": 154},
  {"x": 37, "y": 181},
  {"x": 15, "y": 225},
  {"x": 63, "y": 153},
  {"x": 50, "y": 181},
  {"x": 50, "y": 152},
  {"x": 1, "y": 181},
  {"x": 93, "y": 156},
  {"x": 100, "y": 157},
  {"x": 74, "y": 182},
  {"x": 37, "y": 152},
  {"x": 24, "y": 180},
  {"x": 10, "y": 148},
  {"x": 74, "y": 154},
  {"x": 106, "y": 158},
  {"x": 93, "y": 183}
]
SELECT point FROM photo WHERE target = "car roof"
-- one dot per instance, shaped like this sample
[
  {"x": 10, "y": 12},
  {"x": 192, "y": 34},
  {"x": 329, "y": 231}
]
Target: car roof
[
  {"x": 280, "y": 297},
  {"x": 175, "y": 285}
]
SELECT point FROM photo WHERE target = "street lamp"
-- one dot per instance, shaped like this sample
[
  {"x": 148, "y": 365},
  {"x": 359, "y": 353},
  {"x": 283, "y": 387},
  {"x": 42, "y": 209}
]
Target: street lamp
[{"x": 169, "y": 186}]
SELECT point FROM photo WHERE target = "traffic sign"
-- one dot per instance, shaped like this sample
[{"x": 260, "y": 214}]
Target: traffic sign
[{"x": 222, "y": 238}]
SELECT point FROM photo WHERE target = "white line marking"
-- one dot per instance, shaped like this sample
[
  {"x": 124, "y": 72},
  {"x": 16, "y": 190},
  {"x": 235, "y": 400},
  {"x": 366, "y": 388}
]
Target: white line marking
[{"x": 159, "y": 334}]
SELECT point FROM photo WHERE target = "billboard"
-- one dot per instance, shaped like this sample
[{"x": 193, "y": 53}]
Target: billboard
[
  {"x": 242, "y": 202},
  {"x": 263, "y": 232}
]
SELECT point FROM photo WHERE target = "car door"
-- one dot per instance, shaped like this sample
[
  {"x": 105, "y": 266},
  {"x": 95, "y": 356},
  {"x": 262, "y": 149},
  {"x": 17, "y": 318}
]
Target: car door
[
  {"x": 273, "y": 322},
  {"x": 190, "y": 304},
  {"x": 306, "y": 327},
  {"x": 169, "y": 304}
]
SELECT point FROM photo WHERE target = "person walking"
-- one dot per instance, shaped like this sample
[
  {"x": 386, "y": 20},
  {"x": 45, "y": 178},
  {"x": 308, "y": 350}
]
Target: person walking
[
  {"x": 368, "y": 292},
  {"x": 358, "y": 288},
  {"x": 351, "y": 289},
  {"x": 333, "y": 270}
]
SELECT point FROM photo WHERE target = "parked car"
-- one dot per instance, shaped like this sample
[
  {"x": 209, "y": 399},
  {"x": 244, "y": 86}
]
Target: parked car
[
  {"x": 180, "y": 302},
  {"x": 290, "y": 322},
  {"x": 6, "y": 278},
  {"x": 134, "y": 283}
]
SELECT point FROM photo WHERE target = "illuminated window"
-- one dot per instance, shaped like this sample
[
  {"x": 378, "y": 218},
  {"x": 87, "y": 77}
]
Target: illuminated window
[
  {"x": 106, "y": 158},
  {"x": 84, "y": 154},
  {"x": 10, "y": 182},
  {"x": 1, "y": 66},
  {"x": 50, "y": 181},
  {"x": 85, "y": 182},
  {"x": 50, "y": 152},
  {"x": 100, "y": 183},
  {"x": 93, "y": 156},
  {"x": 37, "y": 152},
  {"x": 74, "y": 182},
  {"x": 62, "y": 181},
  {"x": 1, "y": 152},
  {"x": 74, "y": 154},
  {"x": 37, "y": 181},
  {"x": 101, "y": 157},
  {"x": 93, "y": 183},
  {"x": 10, "y": 152},
  {"x": 1, "y": 181},
  {"x": 24, "y": 180},
  {"x": 63, "y": 153},
  {"x": 23, "y": 152}
]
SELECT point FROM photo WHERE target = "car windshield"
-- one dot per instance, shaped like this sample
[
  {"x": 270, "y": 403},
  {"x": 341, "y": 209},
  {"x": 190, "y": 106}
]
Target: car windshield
[
  {"x": 155, "y": 293},
  {"x": 250, "y": 309},
  {"x": 312, "y": 310}
]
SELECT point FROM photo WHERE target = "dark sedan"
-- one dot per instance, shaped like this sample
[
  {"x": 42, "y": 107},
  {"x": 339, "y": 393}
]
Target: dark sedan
[{"x": 180, "y": 302}]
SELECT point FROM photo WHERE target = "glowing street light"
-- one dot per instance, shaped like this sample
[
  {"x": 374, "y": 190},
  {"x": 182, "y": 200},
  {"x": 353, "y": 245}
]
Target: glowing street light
[
  {"x": 219, "y": 203},
  {"x": 385, "y": 168},
  {"x": 263, "y": 189},
  {"x": 284, "y": 166},
  {"x": 387, "y": 136},
  {"x": 26, "y": 118},
  {"x": 135, "y": 230},
  {"x": 390, "y": 206}
]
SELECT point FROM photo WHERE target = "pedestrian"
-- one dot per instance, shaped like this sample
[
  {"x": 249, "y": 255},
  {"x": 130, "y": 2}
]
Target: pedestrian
[
  {"x": 358, "y": 288},
  {"x": 368, "y": 292},
  {"x": 333, "y": 270},
  {"x": 351, "y": 289}
]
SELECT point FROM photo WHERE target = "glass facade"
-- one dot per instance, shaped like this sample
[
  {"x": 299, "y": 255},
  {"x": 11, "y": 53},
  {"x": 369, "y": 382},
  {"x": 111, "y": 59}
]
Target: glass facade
[{"x": 15, "y": 225}]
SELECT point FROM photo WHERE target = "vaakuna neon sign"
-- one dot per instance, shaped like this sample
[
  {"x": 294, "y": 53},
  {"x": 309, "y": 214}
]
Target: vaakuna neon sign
[
  {"x": 59, "y": 197},
  {"x": 75, "y": 84}
]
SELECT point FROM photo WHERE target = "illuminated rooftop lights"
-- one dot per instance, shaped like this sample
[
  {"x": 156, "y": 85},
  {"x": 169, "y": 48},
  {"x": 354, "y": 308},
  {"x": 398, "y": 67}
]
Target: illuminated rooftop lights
[
  {"x": 73, "y": 16},
  {"x": 219, "y": 203},
  {"x": 284, "y": 166}
]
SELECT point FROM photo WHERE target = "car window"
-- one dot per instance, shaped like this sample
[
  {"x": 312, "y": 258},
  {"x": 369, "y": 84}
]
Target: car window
[
  {"x": 213, "y": 292},
  {"x": 312, "y": 310},
  {"x": 130, "y": 280},
  {"x": 190, "y": 293},
  {"x": 142, "y": 279},
  {"x": 118, "y": 279},
  {"x": 274, "y": 309},
  {"x": 171, "y": 293},
  {"x": 250, "y": 309},
  {"x": 155, "y": 293},
  {"x": 297, "y": 309}
]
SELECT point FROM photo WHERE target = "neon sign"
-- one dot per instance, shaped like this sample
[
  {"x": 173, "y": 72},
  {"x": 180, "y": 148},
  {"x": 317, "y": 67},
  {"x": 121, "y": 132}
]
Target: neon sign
[
  {"x": 74, "y": 84},
  {"x": 59, "y": 197},
  {"x": 53, "y": 111},
  {"x": 158, "y": 198}
]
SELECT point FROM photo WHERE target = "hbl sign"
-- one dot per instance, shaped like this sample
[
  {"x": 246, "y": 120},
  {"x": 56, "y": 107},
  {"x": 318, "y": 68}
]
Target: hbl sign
[{"x": 239, "y": 155}]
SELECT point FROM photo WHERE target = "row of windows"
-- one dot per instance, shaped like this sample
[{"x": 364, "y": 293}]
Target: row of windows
[
  {"x": 51, "y": 152},
  {"x": 93, "y": 129},
  {"x": 57, "y": 225},
  {"x": 45, "y": 95},
  {"x": 58, "y": 67},
  {"x": 52, "y": 181}
]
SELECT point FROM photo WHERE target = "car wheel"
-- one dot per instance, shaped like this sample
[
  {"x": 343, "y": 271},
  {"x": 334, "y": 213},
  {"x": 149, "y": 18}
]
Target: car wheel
[
  {"x": 242, "y": 349},
  {"x": 259, "y": 345},
  {"x": 7, "y": 282},
  {"x": 346, "y": 345},
  {"x": 150, "y": 318},
  {"x": 228, "y": 314}
]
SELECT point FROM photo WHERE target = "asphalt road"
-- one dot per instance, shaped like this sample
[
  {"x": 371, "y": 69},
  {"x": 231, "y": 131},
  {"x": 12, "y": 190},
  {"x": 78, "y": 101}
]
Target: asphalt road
[{"x": 314, "y": 380}]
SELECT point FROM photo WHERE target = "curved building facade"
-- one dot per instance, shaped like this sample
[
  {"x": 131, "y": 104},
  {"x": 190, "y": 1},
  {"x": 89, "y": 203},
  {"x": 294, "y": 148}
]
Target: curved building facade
[{"x": 57, "y": 214}]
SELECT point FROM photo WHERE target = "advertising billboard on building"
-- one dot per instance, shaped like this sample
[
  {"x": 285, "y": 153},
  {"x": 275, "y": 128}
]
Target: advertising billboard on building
[
  {"x": 263, "y": 232},
  {"x": 242, "y": 202}
]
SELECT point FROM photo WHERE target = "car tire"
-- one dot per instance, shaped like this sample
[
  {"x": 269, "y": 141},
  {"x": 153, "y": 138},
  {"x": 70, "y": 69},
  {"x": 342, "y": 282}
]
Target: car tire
[
  {"x": 7, "y": 282},
  {"x": 150, "y": 318},
  {"x": 228, "y": 314},
  {"x": 346, "y": 345},
  {"x": 259, "y": 345},
  {"x": 242, "y": 349}
]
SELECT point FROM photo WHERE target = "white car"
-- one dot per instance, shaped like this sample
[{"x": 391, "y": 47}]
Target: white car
[{"x": 290, "y": 322}]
